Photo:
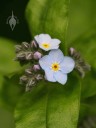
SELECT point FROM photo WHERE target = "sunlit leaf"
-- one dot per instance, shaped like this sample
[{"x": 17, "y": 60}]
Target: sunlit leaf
[
  {"x": 86, "y": 45},
  {"x": 10, "y": 92},
  {"x": 6, "y": 119},
  {"x": 50, "y": 105},
  {"x": 7, "y": 55},
  {"x": 82, "y": 18},
  {"x": 88, "y": 108},
  {"x": 48, "y": 16}
]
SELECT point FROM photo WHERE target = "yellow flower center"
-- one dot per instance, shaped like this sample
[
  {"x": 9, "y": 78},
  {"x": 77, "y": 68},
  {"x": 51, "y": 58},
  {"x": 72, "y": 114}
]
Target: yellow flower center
[
  {"x": 45, "y": 45},
  {"x": 55, "y": 66}
]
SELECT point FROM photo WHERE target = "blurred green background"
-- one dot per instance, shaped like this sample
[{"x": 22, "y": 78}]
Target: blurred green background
[{"x": 81, "y": 34}]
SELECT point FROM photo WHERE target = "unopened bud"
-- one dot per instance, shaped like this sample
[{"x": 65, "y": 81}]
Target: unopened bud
[
  {"x": 23, "y": 79},
  {"x": 20, "y": 56},
  {"x": 31, "y": 82},
  {"x": 39, "y": 77},
  {"x": 29, "y": 55},
  {"x": 37, "y": 55},
  {"x": 80, "y": 65},
  {"x": 33, "y": 44},
  {"x": 28, "y": 71},
  {"x": 18, "y": 48},
  {"x": 71, "y": 51},
  {"x": 25, "y": 45},
  {"x": 36, "y": 67}
]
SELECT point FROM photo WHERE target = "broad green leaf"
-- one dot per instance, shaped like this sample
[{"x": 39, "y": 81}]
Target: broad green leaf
[
  {"x": 89, "y": 84},
  {"x": 88, "y": 107},
  {"x": 48, "y": 16},
  {"x": 82, "y": 18},
  {"x": 6, "y": 119},
  {"x": 1, "y": 82},
  {"x": 10, "y": 92},
  {"x": 86, "y": 44},
  {"x": 50, "y": 105},
  {"x": 9, "y": 87},
  {"x": 7, "y": 54}
]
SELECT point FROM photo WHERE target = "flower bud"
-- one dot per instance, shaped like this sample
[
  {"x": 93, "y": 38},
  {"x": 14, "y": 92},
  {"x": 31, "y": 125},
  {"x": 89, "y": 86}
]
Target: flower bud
[
  {"x": 20, "y": 56},
  {"x": 39, "y": 77},
  {"x": 18, "y": 48},
  {"x": 29, "y": 55},
  {"x": 31, "y": 82},
  {"x": 23, "y": 79},
  {"x": 25, "y": 45},
  {"x": 71, "y": 51},
  {"x": 28, "y": 71},
  {"x": 36, "y": 67},
  {"x": 80, "y": 65},
  {"x": 33, "y": 44},
  {"x": 37, "y": 55}
]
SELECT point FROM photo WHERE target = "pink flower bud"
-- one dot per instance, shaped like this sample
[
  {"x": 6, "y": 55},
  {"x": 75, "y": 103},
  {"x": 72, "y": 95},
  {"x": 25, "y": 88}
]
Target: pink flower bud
[
  {"x": 36, "y": 67},
  {"x": 37, "y": 55},
  {"x": 72, "y": 51}
]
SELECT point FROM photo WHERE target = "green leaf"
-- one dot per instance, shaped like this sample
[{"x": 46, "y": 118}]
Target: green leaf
[
  {"x": 89, "y": 85},
  {"x": 82, "y": 18},
  {"x": 86, "y": 44},
  {"x": 7, "y": 54},
  {"x": 88, "y": 107},
  {"x": 10, "y": 92},
  {"x": 48, "y": 16},
  {"x": 50, "y": 105},
  {"x": 1, "y": 81},
  {"x": 6, "y": 119},
  {"x": 87, "y": 40}
]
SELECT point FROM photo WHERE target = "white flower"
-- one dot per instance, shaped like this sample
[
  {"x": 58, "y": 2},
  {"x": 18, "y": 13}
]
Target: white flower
[
  {"x": 56, "y": 66},
  {"x": 46, "y": 43}
]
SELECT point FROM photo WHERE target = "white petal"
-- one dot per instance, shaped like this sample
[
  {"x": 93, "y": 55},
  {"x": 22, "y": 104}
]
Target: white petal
[
  {"x": 55, "y": 42},
  {"x": 36, "y": 38},
  {"x": 54, "y": 47},
  {"x": 60, "y": 77},
  {"x": 56, "y": 55},
  {"x": 49, "y": 75},
  {"x": 45, "y": 62},
  {"x": 67, "y": 65},
  {"x": 44, "y": 38}
]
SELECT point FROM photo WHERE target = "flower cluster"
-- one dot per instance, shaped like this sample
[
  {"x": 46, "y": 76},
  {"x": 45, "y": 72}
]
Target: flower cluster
[{"x": 45, "y": 61}]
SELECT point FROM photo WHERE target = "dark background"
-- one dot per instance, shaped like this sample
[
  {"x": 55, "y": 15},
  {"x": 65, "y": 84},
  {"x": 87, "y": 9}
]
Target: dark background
[{"x": 21, "y": 31}]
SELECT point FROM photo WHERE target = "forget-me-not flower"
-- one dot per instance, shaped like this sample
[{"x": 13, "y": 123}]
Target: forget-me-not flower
[
  {"x": 46, "y": 43},
  {"x": 57, "y": 66}
]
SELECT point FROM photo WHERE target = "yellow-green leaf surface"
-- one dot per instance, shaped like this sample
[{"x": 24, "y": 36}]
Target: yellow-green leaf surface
[
  {"x": 6, "y": 119},
  {"x": 88, "y": 108},
  {"x": 10, "y": 92},
  {"x": 86, "y": 45},
  {"x": 7, "y": 54},
  {"x": 82, "y": 17},
  {"x": 48, "y": 16},
  {"x": 50, "y": 105}
]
